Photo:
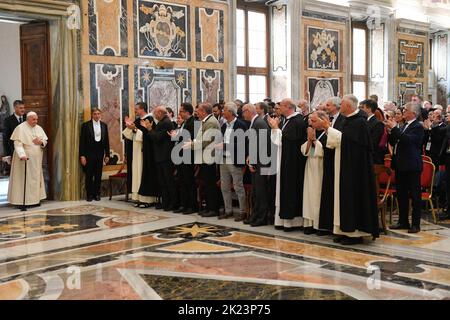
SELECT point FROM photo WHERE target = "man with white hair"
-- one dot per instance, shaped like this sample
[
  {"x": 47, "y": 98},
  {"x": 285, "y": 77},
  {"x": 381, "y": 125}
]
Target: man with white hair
[
  {"x": 26, "y": 184},
  {"x": 355, "y": 209},
  {"x": 231, "y": 170},
  {"x": 407, "y": 163}
]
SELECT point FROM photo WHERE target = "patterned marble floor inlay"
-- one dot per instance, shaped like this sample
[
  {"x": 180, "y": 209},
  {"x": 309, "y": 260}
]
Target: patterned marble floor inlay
[{"x": 110, "y": 250}]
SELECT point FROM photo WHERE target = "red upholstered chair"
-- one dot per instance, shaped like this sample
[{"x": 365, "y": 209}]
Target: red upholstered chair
[
  {"x": 426, "y": 183},
  {"x": 120, "y": 176},
  {"x": 387, "y": 185},
  {"x": 383, "y": 178}
]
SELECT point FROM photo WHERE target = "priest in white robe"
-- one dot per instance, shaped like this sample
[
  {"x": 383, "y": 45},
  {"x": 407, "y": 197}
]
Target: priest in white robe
[
  {"x": 313, "y": 150},
  {"x": 29, "y": 143}
]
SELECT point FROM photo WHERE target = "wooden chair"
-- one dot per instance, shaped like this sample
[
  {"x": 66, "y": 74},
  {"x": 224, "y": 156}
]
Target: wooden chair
[
  {"x": 426, "y": 184},
  {"x": 119, "y": 176},
  {"x": 382, "y": 177}
]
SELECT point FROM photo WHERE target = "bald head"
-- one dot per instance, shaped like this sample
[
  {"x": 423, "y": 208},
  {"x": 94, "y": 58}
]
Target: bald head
[
  {"x": 159, "y": 112},
  {"x": 249, "y": 111},
  {"x": 287, "y": 107}
]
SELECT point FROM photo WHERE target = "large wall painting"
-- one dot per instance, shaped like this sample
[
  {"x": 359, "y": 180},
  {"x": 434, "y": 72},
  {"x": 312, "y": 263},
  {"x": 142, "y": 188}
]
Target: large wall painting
[
  {"x": 319, "y": 90},
  {"x": 322, "y": 49},
  {"x": 108, "y": 37},
  {"x": 209, "y": 32},
  {"x": 163, "y": 87},
  {"x": 109, "y": 92},
  {"x": 410, "y": 59},
  {"x": 210, "y": 85},
  {"x": 162, "y": 30}
]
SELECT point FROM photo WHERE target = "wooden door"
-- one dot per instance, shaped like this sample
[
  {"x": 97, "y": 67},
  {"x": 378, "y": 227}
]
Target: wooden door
[{"x": 36, "y": 84}]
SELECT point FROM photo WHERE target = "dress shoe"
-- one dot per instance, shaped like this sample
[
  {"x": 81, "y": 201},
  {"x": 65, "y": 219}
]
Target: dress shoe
[
  {"x": 158, "y": 206},
  {"x": 180, "y": 210},
  {"x": 97, "y": 198},
  {"x": 339, "y": 239},
  {"x": 240, "y": 217},
  {"x": 225, "y": 215},
  {"x": 321, "y": 233},
  {"x": 211, "y": 214},
  {"x": 249, "y": 221},
  {"x": 399, "y": 226},
  {"x": 89, "y": 199},
  {"x": 279, "y": 228},
  {"x": 414, "y": 229},
  {"x": 203, "y": 212},
  {"x": 309, "y": 230},
  {"x": 188, "y": 211},
  {"x": 258, "y": 223},
  {"x": 348, "y": 241}
]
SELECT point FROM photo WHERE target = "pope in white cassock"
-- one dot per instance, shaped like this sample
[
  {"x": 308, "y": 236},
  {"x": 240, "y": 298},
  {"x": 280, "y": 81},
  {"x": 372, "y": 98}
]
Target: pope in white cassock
[{"x": 29, "y": 143}]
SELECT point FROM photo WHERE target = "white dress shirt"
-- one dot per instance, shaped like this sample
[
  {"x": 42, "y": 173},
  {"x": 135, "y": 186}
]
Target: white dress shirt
[
  {"x": 227, "y": 136},
  {"x": 97, "y": 130}
]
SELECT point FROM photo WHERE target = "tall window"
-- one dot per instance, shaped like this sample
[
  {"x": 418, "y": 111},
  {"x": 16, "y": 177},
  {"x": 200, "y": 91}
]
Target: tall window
[
  {"x": 360, "y": 69},
  {"x": 252, "y": 53}
]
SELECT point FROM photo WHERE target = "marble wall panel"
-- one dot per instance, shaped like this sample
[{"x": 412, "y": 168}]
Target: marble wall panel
[{"x": 209, "y": 32}]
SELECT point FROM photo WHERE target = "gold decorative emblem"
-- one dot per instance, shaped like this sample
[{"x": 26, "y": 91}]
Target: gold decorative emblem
[{"x": 162, "y": 35}]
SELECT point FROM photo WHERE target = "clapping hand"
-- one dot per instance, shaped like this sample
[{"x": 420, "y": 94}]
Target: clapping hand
[
  {"x": 172, "y": 133},
  {"x": 390, "y": 124},
  {"x": 274, "y": 123},
  {"x": 311, "y": 134},
  {"x": 324, "y": 123},
  {"x": 129, "y": 124},
  {"x": 147, "y": 124},
  {"x": 427, "y": 124}
]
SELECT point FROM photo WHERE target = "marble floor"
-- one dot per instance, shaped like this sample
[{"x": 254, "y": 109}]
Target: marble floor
[{"x": 111, "y": 250}]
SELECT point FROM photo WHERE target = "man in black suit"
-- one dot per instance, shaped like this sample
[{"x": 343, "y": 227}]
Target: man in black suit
[
  {"x": 162, "y": 143},
  {"x": 186, "y": 169},
  {"x": 94, "y": 152},
  {"x": 10, "y": 124},
  {"x": 444, "y": 155},
  {"x": 408, "y": 165},
  {"x": 234, "y": 150},
  {"x": 376, "y": 129},
  {"x": 261, "y": 191},
  {"x": 435, "y": 130}
]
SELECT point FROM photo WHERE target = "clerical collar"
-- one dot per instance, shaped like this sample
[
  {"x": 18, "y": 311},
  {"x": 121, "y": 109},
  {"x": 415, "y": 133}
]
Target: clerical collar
[
  {"x": 354, "y": 113},
  {"x": 292, "y": 115},
  {"x": 370, "y": 117}
]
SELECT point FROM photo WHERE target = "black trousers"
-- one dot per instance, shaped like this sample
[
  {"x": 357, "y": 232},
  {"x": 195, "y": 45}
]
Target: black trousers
[
  {"x": 260, "y": 200},
  {"x": 208, "y": 174},
  {"x": 408, "y": 186},
  {"x": 447, "y": 180},
  {"x": 167, "y": 184},
  {"x": 271, "y": 194},
  {"x": 188, "y": 194},
  {"x": 93, "y": 175}
]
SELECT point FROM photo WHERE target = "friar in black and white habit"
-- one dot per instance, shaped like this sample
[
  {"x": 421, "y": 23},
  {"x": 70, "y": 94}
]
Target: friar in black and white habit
[
  {"x": 290, "y": 166},
  {"x": 326, "y": 215},
  {"x": 355, "y": 199},
  {"x": 144, "y": 185}
]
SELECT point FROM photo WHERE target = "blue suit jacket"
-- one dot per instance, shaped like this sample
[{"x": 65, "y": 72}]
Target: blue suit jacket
[{"x": 408, "y": 156}]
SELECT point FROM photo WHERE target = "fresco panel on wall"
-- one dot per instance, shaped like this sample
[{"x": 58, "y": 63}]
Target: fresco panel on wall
[{"x": 109, "y": 92}]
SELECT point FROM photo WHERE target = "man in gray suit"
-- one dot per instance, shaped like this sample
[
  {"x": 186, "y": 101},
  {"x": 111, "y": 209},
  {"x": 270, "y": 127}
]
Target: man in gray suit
[
  {"x": 259, "y": 129},
  {"x": 207, "y": 167}
]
